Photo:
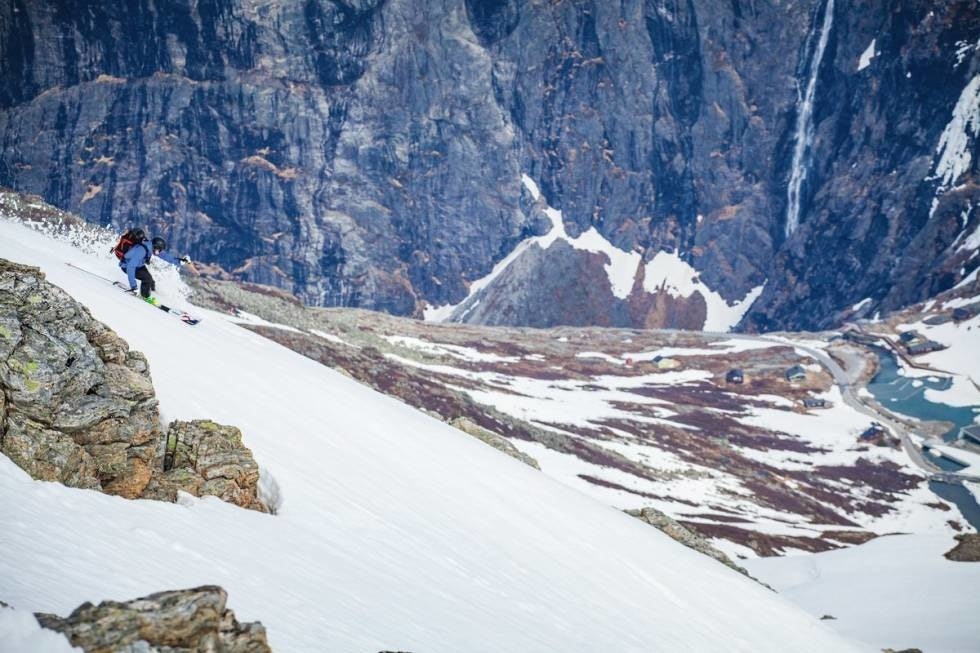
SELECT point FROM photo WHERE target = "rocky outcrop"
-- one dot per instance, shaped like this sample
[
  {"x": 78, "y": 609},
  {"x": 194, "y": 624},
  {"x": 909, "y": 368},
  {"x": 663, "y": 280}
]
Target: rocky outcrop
[
  {"x": 207, "y": 459},
  {"x": 77, "y": 406},
  {"x": 685, "y": 536},
  {"x": 470, "y": 427},
  {"x": 370, "y": 153},
  {"x": 967, "y": 549},
  {"x": 166, "y": 622}
]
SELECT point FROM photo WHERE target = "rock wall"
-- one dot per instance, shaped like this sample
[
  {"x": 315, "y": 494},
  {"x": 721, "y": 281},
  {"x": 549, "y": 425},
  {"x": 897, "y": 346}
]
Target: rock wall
[{"x": 370, "y": 153}]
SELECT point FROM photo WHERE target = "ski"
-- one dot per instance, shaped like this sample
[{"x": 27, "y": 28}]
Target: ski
[{"x": 183, "y": 316}]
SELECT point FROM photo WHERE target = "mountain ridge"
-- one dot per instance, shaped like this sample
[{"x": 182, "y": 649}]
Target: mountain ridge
[{"x": 371, "y": 153}]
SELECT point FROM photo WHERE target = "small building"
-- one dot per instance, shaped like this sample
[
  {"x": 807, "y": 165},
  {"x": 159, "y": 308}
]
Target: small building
[
  {"x": 795, "y": 373},
  {"x": 664, "y": 363},
  {"x": 962, "y": 313},
  {"x": 814, "y": 402},
  {"x": 874, "y": 432},
  {"x": 734, "y": 376},
  {"x": 923, "y": 347},
  {"x": 971, "y": 432}
]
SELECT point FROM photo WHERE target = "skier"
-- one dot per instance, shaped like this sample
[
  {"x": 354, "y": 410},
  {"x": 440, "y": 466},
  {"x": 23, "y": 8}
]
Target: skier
[{"x": 138, "y": 254}]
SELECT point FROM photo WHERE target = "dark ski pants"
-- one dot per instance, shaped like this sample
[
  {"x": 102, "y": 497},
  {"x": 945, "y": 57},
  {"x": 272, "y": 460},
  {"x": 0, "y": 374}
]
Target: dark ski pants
[{"x": 147, "y": 285}]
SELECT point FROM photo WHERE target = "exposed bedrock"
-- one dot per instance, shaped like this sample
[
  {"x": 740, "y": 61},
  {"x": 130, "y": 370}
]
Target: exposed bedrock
[{"x": 370, "y": 153}]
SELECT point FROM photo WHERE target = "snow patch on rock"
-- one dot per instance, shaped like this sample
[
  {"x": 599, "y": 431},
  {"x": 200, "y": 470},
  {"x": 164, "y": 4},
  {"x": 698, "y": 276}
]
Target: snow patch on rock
[
  {"x": 867, "y": 56},
  {"x": 668, "y": 272},
  {"x": 954, "y": 149}
]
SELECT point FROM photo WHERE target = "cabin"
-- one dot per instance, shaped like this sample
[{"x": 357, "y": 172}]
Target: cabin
[
  {"x": 664, "y": 363},
  {"x": 971, "y": 432},
  {"x": 795, "y": 373},
  {"x": 874, "y": 432},
  {"x": 923, "y": 347},
  {"x": 734, "y": 376},
  {"x": 813, "y": 402},
  {"x": 962, "y": 313}
]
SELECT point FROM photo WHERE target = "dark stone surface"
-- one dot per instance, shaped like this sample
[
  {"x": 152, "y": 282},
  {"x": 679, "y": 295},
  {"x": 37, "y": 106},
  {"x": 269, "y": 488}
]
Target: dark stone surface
[{"x": 369, "y": 152}]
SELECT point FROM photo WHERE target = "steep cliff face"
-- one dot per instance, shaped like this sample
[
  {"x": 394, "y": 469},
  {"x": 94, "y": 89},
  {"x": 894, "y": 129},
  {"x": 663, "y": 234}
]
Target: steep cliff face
[
  {"x": 890, "y": 202},
  {"x": 370, "y": 153}
]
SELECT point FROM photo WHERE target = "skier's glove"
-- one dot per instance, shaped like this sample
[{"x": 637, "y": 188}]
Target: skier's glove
[{"x": 185, "y": 259}]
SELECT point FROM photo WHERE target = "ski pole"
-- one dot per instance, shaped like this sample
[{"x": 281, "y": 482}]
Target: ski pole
[{"x": 98, "y": 276}]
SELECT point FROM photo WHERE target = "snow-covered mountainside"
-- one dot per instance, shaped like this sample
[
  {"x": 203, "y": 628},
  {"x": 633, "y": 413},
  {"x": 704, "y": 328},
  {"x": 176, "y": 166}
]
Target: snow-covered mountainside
[{"x": 395, "y": 531}]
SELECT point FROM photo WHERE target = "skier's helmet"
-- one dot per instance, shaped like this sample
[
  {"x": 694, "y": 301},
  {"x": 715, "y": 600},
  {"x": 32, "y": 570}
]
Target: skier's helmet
[
  {"x": 159, "y": 244},
  {"x": 137, "y": 235}
]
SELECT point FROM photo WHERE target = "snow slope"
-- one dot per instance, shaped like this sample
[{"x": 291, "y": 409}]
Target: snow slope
[
  {"x": 395, "y": 532},
  {"x": 896, "y": 592}
]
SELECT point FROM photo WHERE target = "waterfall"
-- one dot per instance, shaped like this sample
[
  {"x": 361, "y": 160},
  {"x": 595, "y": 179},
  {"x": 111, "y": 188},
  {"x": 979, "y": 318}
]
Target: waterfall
[{"x": 804, "y": 124}]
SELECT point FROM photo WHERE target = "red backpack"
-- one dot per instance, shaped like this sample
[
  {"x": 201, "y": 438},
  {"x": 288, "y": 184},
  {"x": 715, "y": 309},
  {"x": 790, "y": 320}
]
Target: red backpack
[{"x": 126, "y": 242}]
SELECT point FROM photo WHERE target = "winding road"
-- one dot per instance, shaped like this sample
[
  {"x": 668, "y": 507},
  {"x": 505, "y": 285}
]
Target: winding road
[{"x": 846, "y": 380}]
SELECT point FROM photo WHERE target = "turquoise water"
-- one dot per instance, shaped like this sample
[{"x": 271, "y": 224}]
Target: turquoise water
[{"x": 906, "y": 396}]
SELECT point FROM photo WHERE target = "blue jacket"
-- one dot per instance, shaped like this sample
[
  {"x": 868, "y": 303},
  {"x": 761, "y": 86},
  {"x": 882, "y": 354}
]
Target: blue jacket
[{"x": 138, "y": 256}]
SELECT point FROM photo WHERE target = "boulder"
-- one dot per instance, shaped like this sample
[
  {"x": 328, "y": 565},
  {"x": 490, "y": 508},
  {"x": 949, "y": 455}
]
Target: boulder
[
  {"x": 174, "y": 621},
  {"x": 76, "y": 405},
  {"x": 205, "y": 458},
  {"x": 967, "y": 549}
]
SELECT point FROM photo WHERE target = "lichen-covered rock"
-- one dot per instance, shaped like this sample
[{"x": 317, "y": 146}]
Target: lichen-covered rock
[
  {"x": 205, "y": 458},
  {"x": 683, "y": 535},
  {"x": 967, "y": 549},
  {"x": 76, "y": 405},
  {"x": 470, "y": 427},
  {"x": 175, "y": 621}
]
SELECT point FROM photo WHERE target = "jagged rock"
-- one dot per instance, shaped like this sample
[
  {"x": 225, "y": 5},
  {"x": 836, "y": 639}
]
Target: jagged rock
[
  {"x": 468, "y": 426},
  {"x": 685, "y": 536},
  {"x": 76, "y": 405},
  {"x": 183, "y": 621},
  {"x": 207, "y": 459},
  {"x": 967, "y": 549}
]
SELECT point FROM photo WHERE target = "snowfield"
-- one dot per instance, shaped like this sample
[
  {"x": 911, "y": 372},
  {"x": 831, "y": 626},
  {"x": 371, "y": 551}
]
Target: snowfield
[
  {"x": 396, "y": 532},
  {"x": 897, "y": 592}
]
